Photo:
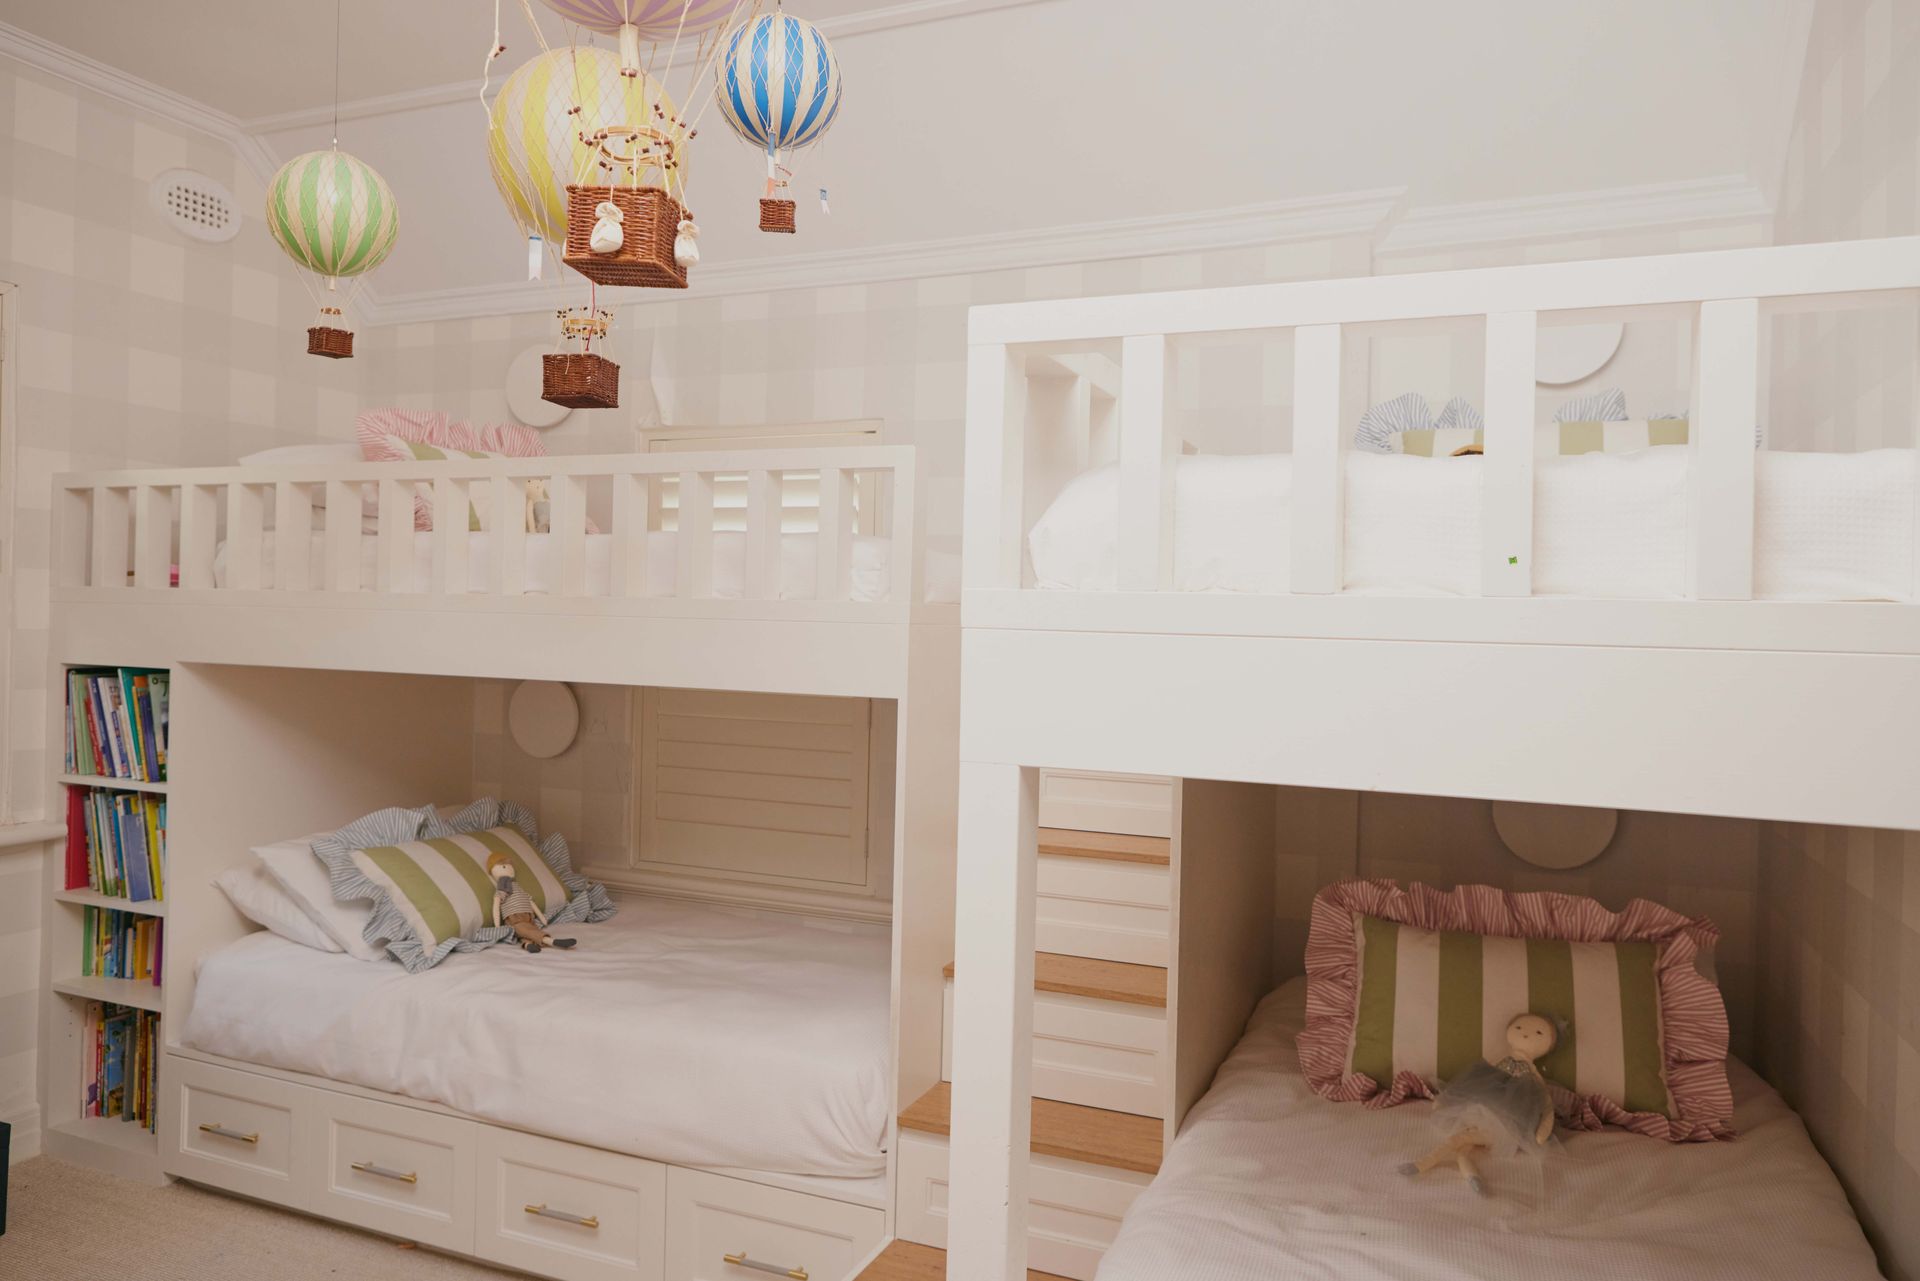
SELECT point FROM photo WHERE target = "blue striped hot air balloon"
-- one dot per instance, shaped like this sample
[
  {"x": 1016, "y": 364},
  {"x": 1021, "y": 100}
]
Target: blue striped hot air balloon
[{"x": 778, "y": 86}]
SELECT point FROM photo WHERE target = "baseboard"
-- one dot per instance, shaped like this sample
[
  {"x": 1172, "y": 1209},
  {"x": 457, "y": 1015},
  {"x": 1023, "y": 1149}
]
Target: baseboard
[{"x": 26, "y": 1135}]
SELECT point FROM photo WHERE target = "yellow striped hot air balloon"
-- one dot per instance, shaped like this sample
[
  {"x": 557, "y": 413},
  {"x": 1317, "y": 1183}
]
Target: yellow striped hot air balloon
[
  {"x": 335, "y": 217},
  {"x": 570, "y": 116}
]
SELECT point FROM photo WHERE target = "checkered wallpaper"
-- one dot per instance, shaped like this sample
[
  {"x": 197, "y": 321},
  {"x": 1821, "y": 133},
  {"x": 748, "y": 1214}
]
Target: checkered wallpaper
[
  {"x": 1840, "y": 939},
  {"x": 585, "y": 792}
]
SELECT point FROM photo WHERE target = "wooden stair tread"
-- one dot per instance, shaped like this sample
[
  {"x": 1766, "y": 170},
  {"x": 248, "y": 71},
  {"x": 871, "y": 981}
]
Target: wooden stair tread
[
  {"x": 905, "y": 1261},
  {"x": 1067, "y": 843},
  {"x": 1096, "y": 1136},
  {"x": 1102, "y": 980}
]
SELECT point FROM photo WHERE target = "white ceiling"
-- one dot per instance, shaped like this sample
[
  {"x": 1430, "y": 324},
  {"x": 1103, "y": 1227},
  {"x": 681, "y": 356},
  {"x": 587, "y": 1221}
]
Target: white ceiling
[{"x": 1002, "y": 117}]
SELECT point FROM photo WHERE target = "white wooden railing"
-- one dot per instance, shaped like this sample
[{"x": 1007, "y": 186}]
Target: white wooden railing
[
  {"x": 129, "y": 531},
  {"x": 1044, "y": 380}
]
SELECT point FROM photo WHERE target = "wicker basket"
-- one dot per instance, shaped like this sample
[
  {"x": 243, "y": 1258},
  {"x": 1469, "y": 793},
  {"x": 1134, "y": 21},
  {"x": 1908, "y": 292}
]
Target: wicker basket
[
  {"x": 777, "y": 215},
  {"x": 334, "y": 344},
  {"x": 650, "y": 219},
  {"x": 580, "y": 380}
]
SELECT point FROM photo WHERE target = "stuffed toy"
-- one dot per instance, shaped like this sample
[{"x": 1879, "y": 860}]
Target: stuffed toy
[
  {"x": 1491, "y": 1107},
  {"x": 513, "y": 909},
  {"x": 539, "y": 508}
]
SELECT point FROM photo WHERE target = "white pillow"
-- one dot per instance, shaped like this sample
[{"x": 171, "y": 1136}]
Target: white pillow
[
  {"x": 259, "y": 898},
  {"x": 303, "y": 876},
  {"x": 344, "y": 452}
]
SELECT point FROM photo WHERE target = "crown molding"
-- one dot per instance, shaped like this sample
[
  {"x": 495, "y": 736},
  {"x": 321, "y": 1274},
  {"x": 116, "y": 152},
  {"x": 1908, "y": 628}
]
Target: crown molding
[
  {"x": 1357, "y": 213},
  {"x": 1729, "y": 198},
  {"x": 911, "y": 13},
  {"x": 141, "y": 95}
]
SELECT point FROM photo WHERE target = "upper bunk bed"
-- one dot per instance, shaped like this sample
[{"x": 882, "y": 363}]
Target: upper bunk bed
[
  {"x": 693, "y": 574},
  {"x": 1511, "y": 626}
]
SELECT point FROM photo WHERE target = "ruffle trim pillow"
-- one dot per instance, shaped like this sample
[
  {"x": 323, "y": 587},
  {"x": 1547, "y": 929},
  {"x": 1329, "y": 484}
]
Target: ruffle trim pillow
[
  {"x": 393, "y": 927},
  {"x": 1691, "y": 1025}
]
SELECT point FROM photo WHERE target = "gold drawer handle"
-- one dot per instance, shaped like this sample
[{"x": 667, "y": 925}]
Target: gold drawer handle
[
  {"x": 584, "y": 1220},
  {"x": 741, "y": 1260},
  {"x": 380, "y": 1171},
  {"x": 221, "y": 1131}
]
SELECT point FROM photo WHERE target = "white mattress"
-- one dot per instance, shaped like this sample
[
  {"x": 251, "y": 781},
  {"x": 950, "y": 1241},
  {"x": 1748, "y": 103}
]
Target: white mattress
[
  {"x": 1269, "y": 1180},
  {"x": 1826, "y": 526},
  {"x": 687, "y": 1034},
  {"x": 797, "y": 560}
]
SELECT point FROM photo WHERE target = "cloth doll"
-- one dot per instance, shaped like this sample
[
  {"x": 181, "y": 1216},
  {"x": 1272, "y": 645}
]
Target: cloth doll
[
  {"x": 607, "y": 236},
  {"x": 514, "y": 909},
  {"x": 539, "y": 509},
  {"x": 1495, "y": 1107}
]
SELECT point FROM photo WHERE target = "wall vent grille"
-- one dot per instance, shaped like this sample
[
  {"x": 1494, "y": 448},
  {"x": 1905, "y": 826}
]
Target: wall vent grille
[{"x": 195, "y": 205}]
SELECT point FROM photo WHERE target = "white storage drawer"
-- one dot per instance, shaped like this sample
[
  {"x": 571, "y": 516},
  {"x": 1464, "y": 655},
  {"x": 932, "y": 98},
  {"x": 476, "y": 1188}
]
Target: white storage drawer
[
  {"x": 399, "y": 1170},
  {"x": 1102, "y": 1054},
  {"x": 1073, "y": 1209},
  {"x": 565, "y": 1211},
  {"x": 1109, "y": 910},
  {"x": 237, "y": 1131},
  {"x": 725, "y": 1229}
]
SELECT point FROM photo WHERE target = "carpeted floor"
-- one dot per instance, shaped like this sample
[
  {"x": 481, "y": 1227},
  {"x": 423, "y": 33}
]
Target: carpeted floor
[{"x": 67, "y": 1223}]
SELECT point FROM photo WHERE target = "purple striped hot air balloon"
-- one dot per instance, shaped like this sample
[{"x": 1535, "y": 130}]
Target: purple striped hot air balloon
[{"x": 642, "y": 22}]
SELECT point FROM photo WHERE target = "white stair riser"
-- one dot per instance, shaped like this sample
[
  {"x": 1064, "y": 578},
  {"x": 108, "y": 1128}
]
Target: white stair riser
[
  {"x": 1132, "y": 804},
  {"x": 1102, "y": 908},
  {"x": 1102, "y": 1054},
  {"x": 1073, "y": 1209}
]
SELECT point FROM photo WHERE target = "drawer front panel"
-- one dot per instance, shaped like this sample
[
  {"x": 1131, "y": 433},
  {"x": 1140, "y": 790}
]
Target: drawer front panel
[
  {"x": 237, "y": 1131},
  {"x": 396, "y": 1169},
  {"x": 1073, "y": 1212},
  {"x": 565, "y": 1211},
  {"x": 731, "y": 1230},
  {"x": 1103, "y": 1054}
]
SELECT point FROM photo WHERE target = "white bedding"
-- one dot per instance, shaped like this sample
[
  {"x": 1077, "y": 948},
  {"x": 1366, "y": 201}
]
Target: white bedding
[
  {"x": 1268, "y": 1180},
  {"x": 686, "y": 1034},
  {"x": 1826, "y": 526}
]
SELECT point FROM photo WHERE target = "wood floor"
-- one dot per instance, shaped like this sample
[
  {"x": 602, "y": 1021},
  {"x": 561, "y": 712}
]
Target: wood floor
[
  {"x": 904, "y": 1261},
  {"x": 1118, "y": 1140}
]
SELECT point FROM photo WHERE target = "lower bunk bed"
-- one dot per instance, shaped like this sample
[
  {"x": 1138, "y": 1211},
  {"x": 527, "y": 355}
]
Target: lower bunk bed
[
  {"x": 690, "y": 1092},
  {"x": 1268, "y": 1179}
]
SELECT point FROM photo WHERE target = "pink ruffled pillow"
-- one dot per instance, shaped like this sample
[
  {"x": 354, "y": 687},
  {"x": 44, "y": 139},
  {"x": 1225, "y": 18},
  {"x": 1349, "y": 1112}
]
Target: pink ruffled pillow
[
  {"x": 376, "y": 430},
  {"x": 1682, "y": 1046}
]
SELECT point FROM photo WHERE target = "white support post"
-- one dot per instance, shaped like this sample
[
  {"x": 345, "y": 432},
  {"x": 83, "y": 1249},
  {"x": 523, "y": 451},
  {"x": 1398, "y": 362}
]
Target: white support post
[
  {"x": 570, "y": 527},
  {"x": 344, "y": 519},
  {"x": 292, "y": 536},
  {"x": 244, "y": 520},
  {"x": 629, "y": 550},
  {"x": 1726, "y": 388},
  {"x": 996, "y": 453},
  {"x": 693, "y": 543},
  {"x": 903, "y": 542},
  {"x": 393, "y": 551},
  {"x": 199, "y": 512},
  {"x": 109, "y": 538},
  {"x": 1319, "y": 463},
  {"x": 452, "y": 523},
  {"x": 992, "y": 1023},
  {"x": 1506, "y": 477},
  {"x": 1148, "y": 454},
  {"x": 507, "y": 540},
  {"x": 763, "y": 534},
  {"x": 152, "y": 536},
  {"x": 833, "y": 572},
  {"x": 1913, "y": 442}
]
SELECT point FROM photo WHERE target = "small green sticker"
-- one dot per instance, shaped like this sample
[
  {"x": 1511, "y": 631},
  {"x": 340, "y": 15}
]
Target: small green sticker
[{"x": 1513, "y": 560}]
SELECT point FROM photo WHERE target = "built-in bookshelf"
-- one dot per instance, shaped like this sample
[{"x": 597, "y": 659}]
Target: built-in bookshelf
[{"x": 106, "y": 922}]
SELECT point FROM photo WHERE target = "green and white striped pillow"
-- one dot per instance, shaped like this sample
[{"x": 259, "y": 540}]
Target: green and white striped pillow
[
  {"x": 1434, "y": 1002},
  {"x": 440, "y": 885}
]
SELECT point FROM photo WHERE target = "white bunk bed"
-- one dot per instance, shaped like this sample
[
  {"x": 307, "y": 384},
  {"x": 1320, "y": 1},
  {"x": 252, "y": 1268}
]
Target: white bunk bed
[
  {"x": 322, "y": 668},
  {"x": 1473, "y": 673}
]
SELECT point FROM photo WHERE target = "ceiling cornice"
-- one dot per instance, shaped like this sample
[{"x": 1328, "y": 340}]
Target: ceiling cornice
[
  {"x": 1357, "y": 213},
  {"x": 1694, "y": 202}
]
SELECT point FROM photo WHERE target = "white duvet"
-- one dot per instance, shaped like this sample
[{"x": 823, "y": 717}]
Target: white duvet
[
  {"x": 685, "y": 1034},
  {"x": 1268, "y": 1180},
  {"x": 1826, "y": 526}
]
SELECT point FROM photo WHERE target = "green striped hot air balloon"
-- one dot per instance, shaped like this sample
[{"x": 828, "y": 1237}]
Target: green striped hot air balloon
[{"x": 332, "y": 214}]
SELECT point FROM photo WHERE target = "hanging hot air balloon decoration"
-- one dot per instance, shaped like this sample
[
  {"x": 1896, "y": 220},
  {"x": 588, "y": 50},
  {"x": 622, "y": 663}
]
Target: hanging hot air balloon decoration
[
  {"x": 641, "y": 23},
  {"x": 778, "y": 85},
  {"x": 336, "y": 218}
]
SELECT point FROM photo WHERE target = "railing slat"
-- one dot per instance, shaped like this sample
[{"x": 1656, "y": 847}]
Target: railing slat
[
  {"x": 629, "y": 551},
  {"x": 903, "y": 544},
  {"x": 1148, "y": 454},
  {"x": 833, "y": 549},
  {"x": 507, "y": 539},
  {"x": 996, "y": 457},
  {"x": 342, "y": 568},
  {"x": 763, "y": 534},
  {"x": 109, "y": 537},
  {"x": 292, "y": 536},
  {"x": 245, "y": 505},
  {"x": 1726, "y": 389},
  {"x": 693, "y": 544},
  {"x": 393, "y": 544},
  {"x": 570, "y": 528},
  {"x": 1506, "y": 478},
  {"x": 199, "y": 513},
  {"x": 1318, "y": 534},
  {"x": 452, "y": 522}
]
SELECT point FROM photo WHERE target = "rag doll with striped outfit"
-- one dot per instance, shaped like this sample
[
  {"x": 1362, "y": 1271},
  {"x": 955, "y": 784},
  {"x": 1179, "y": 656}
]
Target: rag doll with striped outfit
[{"x": 514, "y": 909}]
